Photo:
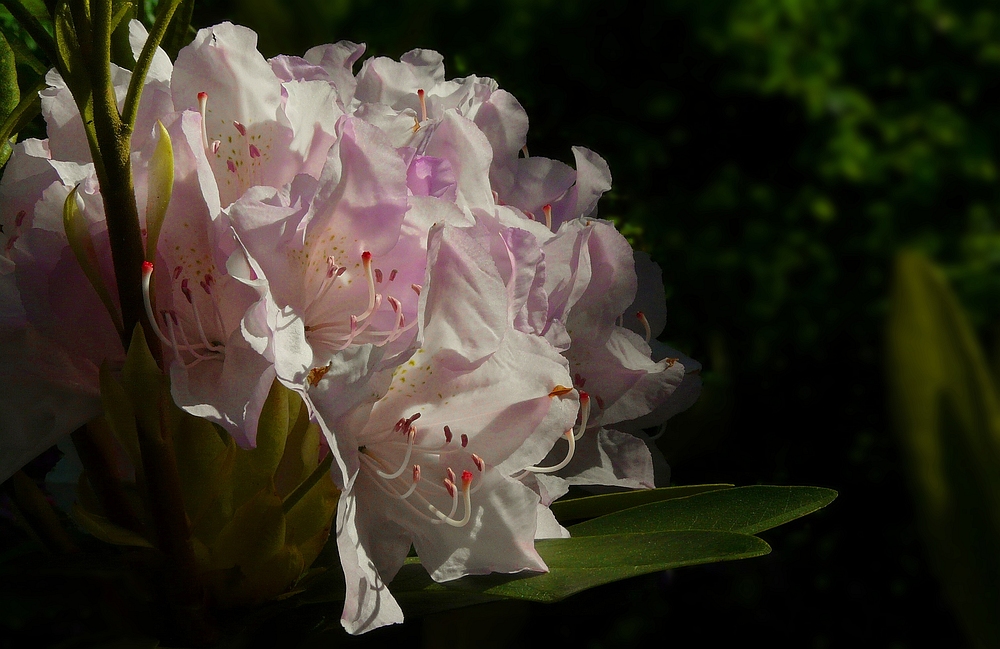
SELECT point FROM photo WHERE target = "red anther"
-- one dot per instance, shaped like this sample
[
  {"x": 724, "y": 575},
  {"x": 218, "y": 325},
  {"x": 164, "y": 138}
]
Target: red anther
[
  {"x": 415, "y": 416},
  {"x": 177, "y": 271},
  {"x": 173, "y": 316},
  {"x": 640, "y": 315},
  {"x": 447, "y": 435},
  {"x": 416, "y": 473},
  {"x": 478, "y": 461},
  {"x": 530, "y": 216},
  {"x": 206, "y": 287},
  {"x": 465, "y": 440},
  {"x": 451, "y": 474},
  {"x": 210, "y": 279},
  {"x": 416, "y": 288},
  {"x": 378, "y": 275},
  {"x": 420, "y": 92},
  {"x": 19, "y": 219},
  {"x": 254, "y": 151},
  {"x": 239, "y": 127},
  {"x": 231, "y": 166},
  {"x": 394, "y": 303},
  {"x": 147, "y": 267},
  {"x": 185, "y": 290},
  {"x": 399, "y": 425},
  {"x": 216, "y": 145},
  {"x": 579, "y": 380},
  {"x": 366, "y": 256},
  {"x": 392, "y": 274},
  {"x": 450, "y": 486},
  {"x": 202, "y": 96},
  {"x": 466, "y": 478}
]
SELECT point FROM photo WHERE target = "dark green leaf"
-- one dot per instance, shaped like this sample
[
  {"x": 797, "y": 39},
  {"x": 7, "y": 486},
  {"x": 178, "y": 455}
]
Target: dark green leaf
[
  {"x": 744, "y": 510},
  {"x": 593, "y": 506},
  {"x": 577, "y": 564}
]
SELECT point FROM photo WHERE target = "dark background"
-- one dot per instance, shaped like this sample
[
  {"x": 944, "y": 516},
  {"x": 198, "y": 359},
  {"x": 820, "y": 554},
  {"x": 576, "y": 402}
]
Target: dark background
[{"x": 772, "y": 157}]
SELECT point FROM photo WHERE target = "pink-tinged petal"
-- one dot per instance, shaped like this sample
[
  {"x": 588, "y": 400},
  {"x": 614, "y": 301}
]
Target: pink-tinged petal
[
  {"x": 384, "y": 81},
  {"x": 368, "y": 604},
  {"x": 546, "y": 525},
  {"x": 62, "y": 120},
  {"x": 49, "y": 392},
  {"x": 464, "y": 304},
  {"x": 430, "y": 176},
  {"x": 160, "y": 68},
  {"x": 28, "y": 173},
  {"x": 362, "y": 190},
  {"x": 610, "y": 458},
  {"x": 593, "y": 179},
  {"x": 338, "y": 61},
  {"x": 682, "y": 398},
  {"x": 538, "y": 182},
  {"x": 243, "y": 111},
  {"x": 312, "y": 112},
  {"x": 612, "y": 285},
  {"x": 229, "y": 391},
  {"x": 650, "y": 299},
  {"x": 505, "y": 124},
  {"x": 499, "y": 538},
  {"x": 57, "y": 297},
  {"x": 459, "y": 141},
  {"x": 223, "y": 61},
  {"x": 296, "y": 68}
]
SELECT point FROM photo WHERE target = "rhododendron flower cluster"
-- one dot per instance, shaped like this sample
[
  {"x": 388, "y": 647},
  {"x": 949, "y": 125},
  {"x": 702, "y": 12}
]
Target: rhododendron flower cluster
[{"x": 469, "y": 336}]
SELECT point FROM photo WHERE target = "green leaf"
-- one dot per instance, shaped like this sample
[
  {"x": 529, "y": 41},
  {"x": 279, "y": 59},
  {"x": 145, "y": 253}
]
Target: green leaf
[
  {"x": 946, "y": 413},
  {"x": 255, "y": 467},
  {"x": 144, "y": 383},
  {"x": 9, "y": 92},
  {"x": 743, "y": 510},
  {"x": 82, "y": 245},
  {"x": 161, "y": 183},
  {"x": 119, "y": 415},
  {"x": 592, "y": 506},
  {"x": 105, "y": 530},
  {"x": 576, "y": 564}
]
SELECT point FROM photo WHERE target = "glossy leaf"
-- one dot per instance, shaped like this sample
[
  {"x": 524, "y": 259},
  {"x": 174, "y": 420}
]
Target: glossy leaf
[
  {"x": 947, "y": 416},
  {"x": 743, "y": 510},
  {"x": 593, "y": 506},
  {"x": 577, "y": 564}
]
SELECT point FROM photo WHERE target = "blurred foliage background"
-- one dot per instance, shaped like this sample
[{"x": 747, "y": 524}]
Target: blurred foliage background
[{"x": 772, "y": 156}]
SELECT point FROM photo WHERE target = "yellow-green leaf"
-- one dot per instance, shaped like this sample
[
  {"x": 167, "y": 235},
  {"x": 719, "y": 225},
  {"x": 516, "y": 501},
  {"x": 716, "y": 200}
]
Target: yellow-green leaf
[{"x": 161, "y": 183}]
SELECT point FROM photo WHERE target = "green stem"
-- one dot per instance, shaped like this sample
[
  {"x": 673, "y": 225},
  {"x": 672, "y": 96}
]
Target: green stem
[
  {"x": 173, "y": 529},
  {"x": 131, "y": 106},
  {"x": 113, "y": 139}
]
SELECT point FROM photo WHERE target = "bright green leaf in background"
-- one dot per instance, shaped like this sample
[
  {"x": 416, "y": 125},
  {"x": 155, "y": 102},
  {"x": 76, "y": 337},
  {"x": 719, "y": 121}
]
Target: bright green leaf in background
[{"x": 944, "y": 403}]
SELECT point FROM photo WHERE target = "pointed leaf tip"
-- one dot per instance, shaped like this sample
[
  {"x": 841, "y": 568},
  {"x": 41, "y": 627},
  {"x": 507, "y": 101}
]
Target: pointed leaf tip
[{"x": 161, "y": 183}]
